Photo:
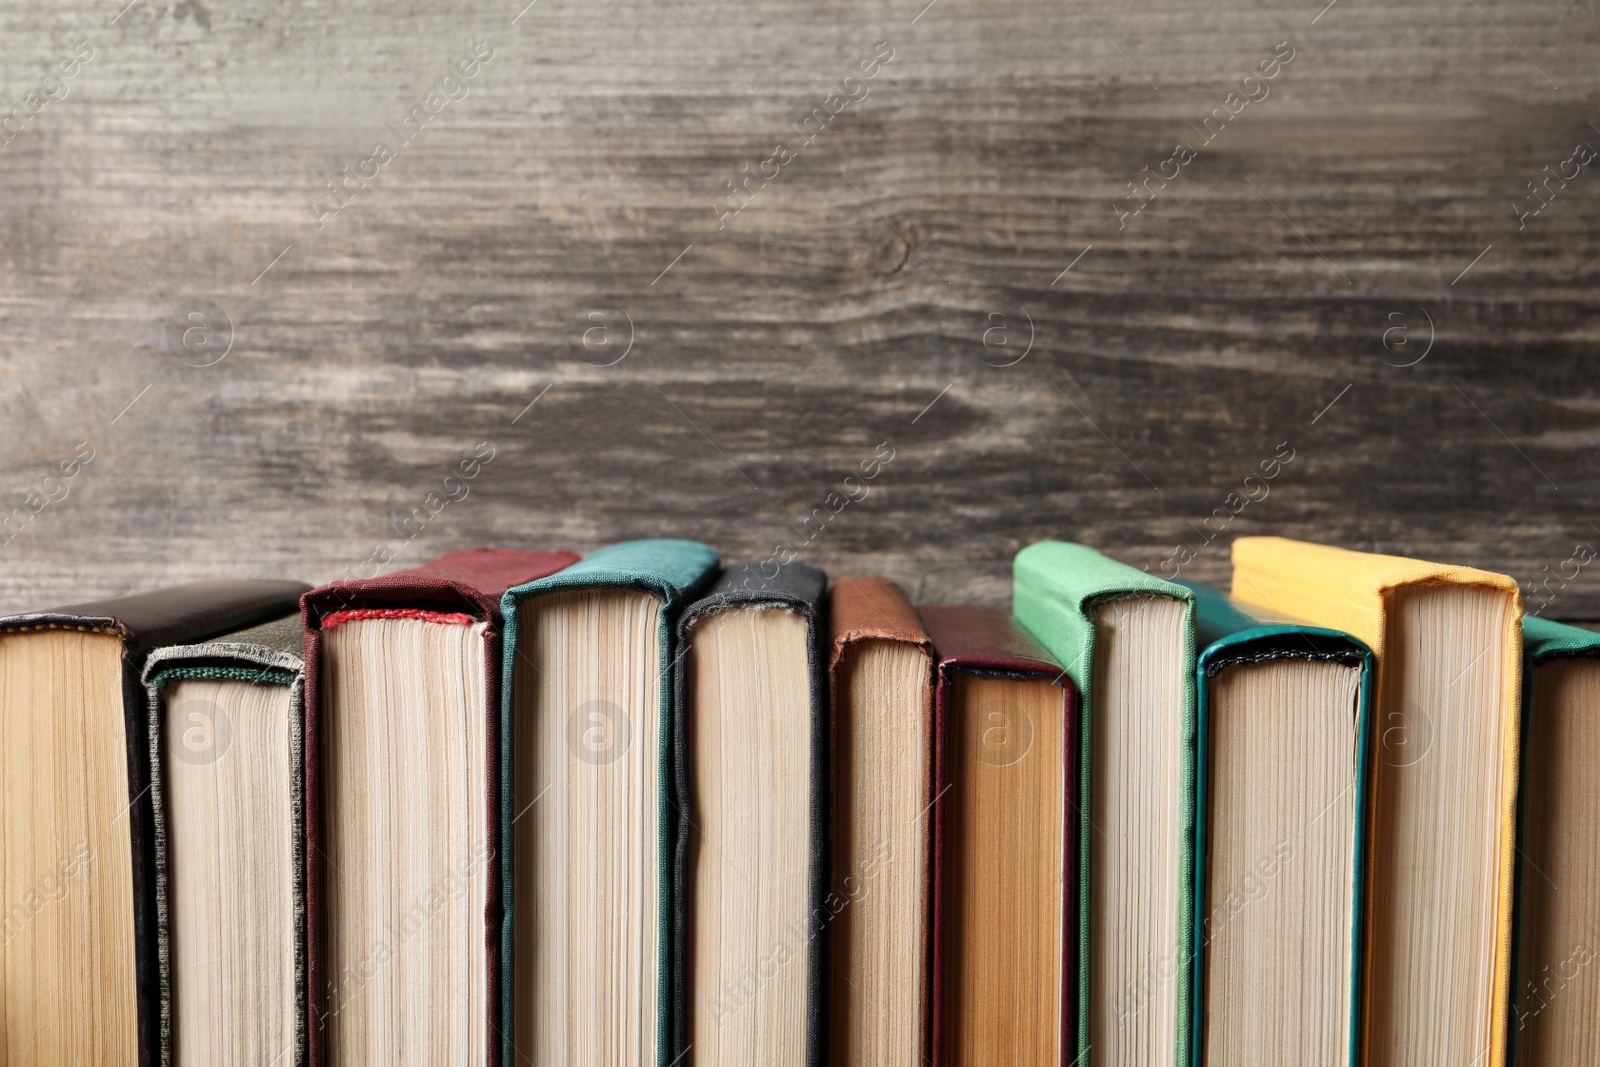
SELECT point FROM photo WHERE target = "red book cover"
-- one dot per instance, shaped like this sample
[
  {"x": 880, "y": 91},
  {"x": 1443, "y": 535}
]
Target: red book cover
[
  {"x": 984, "y": 641},
  {"x": 459, "y": 587}
]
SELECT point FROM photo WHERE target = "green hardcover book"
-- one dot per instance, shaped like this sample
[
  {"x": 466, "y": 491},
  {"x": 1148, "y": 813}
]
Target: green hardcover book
[
  {"x": 590, "y": 818},
  {"x": 1555, "y": 999},
  {"x": 1285, "y": 719},
  {"x": 1126, "y": 638}
]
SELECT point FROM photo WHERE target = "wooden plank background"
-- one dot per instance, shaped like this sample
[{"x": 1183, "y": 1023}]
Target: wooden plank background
[{"x": 560, "y": 234}]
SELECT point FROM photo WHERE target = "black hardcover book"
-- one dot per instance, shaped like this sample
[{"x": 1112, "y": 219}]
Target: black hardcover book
[{"x": 751, "y": 858}]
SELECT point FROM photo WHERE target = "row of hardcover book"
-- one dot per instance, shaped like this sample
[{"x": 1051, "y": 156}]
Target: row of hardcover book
[{"x": 638, "y": 809}]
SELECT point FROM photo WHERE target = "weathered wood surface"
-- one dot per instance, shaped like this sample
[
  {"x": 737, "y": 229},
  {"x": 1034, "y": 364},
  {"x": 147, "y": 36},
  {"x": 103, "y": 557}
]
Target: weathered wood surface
[{"x": 853, "y": 300}]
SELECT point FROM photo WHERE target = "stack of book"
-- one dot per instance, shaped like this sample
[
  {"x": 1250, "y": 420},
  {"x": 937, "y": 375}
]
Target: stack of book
[{"x": 638, "y": 810}]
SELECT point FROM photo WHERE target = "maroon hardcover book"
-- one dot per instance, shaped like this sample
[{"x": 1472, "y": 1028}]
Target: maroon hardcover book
[
  {"x": 1006, "y": 755},
  {"x": 459, "y": 588}
]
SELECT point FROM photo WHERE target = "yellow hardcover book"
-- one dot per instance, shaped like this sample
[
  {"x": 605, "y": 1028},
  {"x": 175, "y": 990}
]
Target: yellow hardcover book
[{"x": 1445, "y": 750}]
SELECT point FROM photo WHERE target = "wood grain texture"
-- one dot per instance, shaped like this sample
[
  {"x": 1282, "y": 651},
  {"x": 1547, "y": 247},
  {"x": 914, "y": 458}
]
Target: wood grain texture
[{"x": 844, "y": 306}]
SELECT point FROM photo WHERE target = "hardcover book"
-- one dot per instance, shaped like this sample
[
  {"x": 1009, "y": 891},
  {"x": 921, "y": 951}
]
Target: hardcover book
[
  {"x": 227, "y": 794},
  {"x": 751, "y": 865},
  {"x": 589, "y": 726},
  {"x": 880, "y": 896},
  {"x": 1555, "y": 990},
  {"x": 405, "y": 809},
  {"x": 1126, "y": 639},
  {"x": 1005, "y": 845},
  {"x": 1280, "y": 821},
  {"x": 1448, "y": 648},
  {"x": 79, "y": 950}
]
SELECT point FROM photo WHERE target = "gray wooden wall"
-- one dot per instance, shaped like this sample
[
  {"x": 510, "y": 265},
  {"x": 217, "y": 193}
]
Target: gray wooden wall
[{"x": 941, "y": 261}]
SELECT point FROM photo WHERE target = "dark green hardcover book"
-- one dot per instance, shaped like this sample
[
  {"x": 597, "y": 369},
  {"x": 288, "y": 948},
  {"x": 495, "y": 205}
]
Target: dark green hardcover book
[
  {"x": 227, "y": 787},
  {"x": 1126, "y": 638},
  {"x": 1555, "y": 1012},
  {"x": 588, "y": 734},
  {"x": 1281, "y": 800}
]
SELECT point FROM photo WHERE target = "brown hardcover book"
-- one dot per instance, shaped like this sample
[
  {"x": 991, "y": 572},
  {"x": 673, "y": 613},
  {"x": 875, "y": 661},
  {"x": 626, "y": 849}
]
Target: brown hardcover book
[
  {"x": 880, "y": 670},
  {"x": 1005, "y": 844},
  {"x": 78, "y": 956},
  {"x": 404, "y": 811}
]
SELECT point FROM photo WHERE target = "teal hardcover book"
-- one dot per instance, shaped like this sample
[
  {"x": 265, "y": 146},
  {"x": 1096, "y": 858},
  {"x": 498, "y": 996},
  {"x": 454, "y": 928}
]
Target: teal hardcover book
[
  {"x": 589, "y": 814},
  {"x": 1281, "y": 800},
  {"x": 1126, "y": 638},
  {"x": 1554, "y": 1011}
]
